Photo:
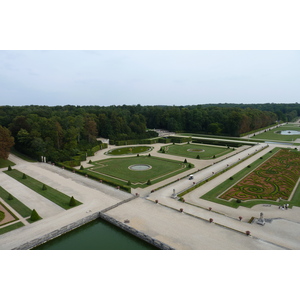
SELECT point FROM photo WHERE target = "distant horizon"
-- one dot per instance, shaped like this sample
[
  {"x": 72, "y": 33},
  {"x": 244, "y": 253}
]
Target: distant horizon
[{"x": 148, "y": 77}]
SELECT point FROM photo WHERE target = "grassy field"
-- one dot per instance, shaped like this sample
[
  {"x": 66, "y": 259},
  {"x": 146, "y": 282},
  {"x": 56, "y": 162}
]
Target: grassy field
[
  {"x": 129, "y": 150},
  {"x": 272, "y": 135},
  {"x": 5, "y": 163},
  {"x": 17, "y": 205},
  {"x": 118, "y": 168},
  {"x": 193, "y": 150},
  {"x": 51, "y": 194}
]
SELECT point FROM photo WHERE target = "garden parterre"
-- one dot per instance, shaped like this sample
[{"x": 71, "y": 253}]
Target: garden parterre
[{"x": 274, "y": 179}]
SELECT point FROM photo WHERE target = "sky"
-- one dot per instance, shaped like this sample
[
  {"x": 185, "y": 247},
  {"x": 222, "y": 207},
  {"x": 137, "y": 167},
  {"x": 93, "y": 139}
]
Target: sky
[{"x": 148, "y": 77}]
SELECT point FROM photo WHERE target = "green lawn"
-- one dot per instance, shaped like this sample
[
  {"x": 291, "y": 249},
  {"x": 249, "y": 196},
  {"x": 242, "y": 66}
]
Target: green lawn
[
  {"x": 118, "y": 168},
  {"x": 129, "y": 150},
  {"x": 5, "y": 163},
  {"x": 273, "y": 135},
  {"x": 17, "y": 205},
  {"x": 11, "y": 227},
  {"x": 193, "y": 150},
  {"x": 51, "y": 194}
]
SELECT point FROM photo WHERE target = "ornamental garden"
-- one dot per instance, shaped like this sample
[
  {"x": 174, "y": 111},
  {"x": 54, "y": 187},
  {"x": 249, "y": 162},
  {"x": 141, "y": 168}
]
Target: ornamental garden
[
  {"x": 137, "y": 171},
  {"x": 196, "y": 151},
  {"x": 274, "y": 180}
]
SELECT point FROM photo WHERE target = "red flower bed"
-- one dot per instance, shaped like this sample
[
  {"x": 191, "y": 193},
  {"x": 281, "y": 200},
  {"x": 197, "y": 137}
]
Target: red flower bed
[{"x": 273, "y": 179}]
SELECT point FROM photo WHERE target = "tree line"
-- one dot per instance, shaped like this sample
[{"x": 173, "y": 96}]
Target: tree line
[{"x": 59, "y": 132}]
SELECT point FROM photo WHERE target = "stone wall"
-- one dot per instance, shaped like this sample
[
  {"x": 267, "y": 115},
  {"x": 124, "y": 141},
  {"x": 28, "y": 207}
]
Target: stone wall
[{"x": 41, "y": 240}]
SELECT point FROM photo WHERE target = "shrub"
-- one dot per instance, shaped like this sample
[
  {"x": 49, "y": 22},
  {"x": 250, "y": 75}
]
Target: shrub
[
  {"x": 10, "y": 197},
  {"x": 44, "y": 188},
  {"x": 90, "y": 161},
  {"x": 138, "y": 155},
  {"x": 198, "y": 156},
  {"x": 34, "y": 216},
  {"x": 185, "y": 161},
  {"x": 149, "y": 155},
  {"x": 249, "y": 166},
  {"x": 129, "y": 182},
  {"x": 72, "y": 201},
  {"x": 238, "y": 201},
  {"x": 231, "y": 178},
  {"x": 81, "y": 167},
  {"x": 9, "y": 168},
  {"x": 24, "y": 176},
  {"x": 149, "y": 182}
]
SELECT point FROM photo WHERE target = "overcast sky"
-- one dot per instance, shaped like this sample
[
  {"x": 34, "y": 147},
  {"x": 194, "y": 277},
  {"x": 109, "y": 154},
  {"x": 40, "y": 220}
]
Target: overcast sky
[{"x": 148, "y": 77}]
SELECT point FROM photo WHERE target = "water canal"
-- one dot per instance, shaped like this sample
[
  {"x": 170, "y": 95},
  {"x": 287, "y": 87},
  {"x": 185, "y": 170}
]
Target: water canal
[{"x": 97, "y": 235}]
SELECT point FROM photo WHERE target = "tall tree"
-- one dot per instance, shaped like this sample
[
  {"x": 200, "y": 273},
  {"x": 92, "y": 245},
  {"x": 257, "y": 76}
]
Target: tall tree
[{"x": 6, "y": 142}]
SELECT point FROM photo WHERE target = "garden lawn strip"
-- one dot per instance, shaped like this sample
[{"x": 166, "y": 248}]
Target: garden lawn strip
[
  {"x": 11, "y": 227},
  {"x": 17, "y": 205},
  {"x": 50, "y": 193}
]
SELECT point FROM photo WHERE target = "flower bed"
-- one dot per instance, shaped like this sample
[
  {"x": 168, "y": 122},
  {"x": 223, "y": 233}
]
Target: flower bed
[{"x": 274, "y": 179}]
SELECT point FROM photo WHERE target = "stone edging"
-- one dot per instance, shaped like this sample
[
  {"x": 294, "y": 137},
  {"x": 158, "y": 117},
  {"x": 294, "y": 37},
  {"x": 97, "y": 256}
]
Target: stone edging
[{"x": 41, "y": 240}]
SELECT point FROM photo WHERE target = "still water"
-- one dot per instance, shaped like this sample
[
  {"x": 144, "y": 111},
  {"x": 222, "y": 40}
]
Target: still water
[{"x": 97, "y": 235}]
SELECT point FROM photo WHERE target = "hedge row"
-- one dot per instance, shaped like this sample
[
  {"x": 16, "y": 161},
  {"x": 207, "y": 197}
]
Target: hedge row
[{"x": 219, "y": 143}]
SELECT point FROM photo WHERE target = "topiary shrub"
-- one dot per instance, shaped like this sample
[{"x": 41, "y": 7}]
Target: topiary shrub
[
  {"x": 198, "y": 156},
  {"x": 34, "y": 216},
  {"x": 231, "y": 178},
  {"x": 128, "y": 182},
  {"x": 185, "y": 161},
  {"x": 24, "y": 176},
  {"x": 44, "y": 188},
  {"x": 248, "y": 166},
  {"x": 238, "y": 201},
  {"x": 72, "y": 201},
  {"x": 138, "y": 155},
  {"x": 149, "y": 182},
  {"x": 190, "y": 166},
  {"x": 81, "y": 167},
  {"x": 10, "y": 197},
  {"x": 9, "y": 168}
]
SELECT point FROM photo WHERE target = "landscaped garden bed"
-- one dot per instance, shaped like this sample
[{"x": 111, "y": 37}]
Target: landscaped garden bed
[
  {"x": 273, "y": 180},
  {"x": 196, "y": 151},
  {"x": 127, "y": 170}
]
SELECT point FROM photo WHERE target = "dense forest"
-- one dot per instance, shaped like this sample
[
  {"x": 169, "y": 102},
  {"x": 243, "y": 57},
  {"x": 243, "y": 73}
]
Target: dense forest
[{"x": 60, "y": 132}]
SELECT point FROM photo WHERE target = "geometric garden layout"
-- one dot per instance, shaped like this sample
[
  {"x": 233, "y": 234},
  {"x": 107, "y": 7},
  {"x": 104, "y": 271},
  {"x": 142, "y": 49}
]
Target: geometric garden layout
[{"x": 276, "y": 178}]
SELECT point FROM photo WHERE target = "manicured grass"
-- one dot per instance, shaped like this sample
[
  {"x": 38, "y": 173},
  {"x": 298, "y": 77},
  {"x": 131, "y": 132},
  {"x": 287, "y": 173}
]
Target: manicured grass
[
  {"x": 17, "y": 205},
  {"x": 2, "y": 215},
  {"x": 193, "y": 150},
  {"x": 129, "y": 150},
  {"x": 51, "y": 194},
  {"x": 5, "y": 163},
  {"x": 118, "y": 168},
  {"x": 272, "y": 135},
  {"x": 214, "y": 193},
  {"x": 11, "y": 227}
]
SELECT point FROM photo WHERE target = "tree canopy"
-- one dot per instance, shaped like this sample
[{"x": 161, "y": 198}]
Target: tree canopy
[{"x": 6, "y": 142}]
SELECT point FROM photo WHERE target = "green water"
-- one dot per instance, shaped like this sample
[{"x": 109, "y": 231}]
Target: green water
[{"x": 96, "y": 235}]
